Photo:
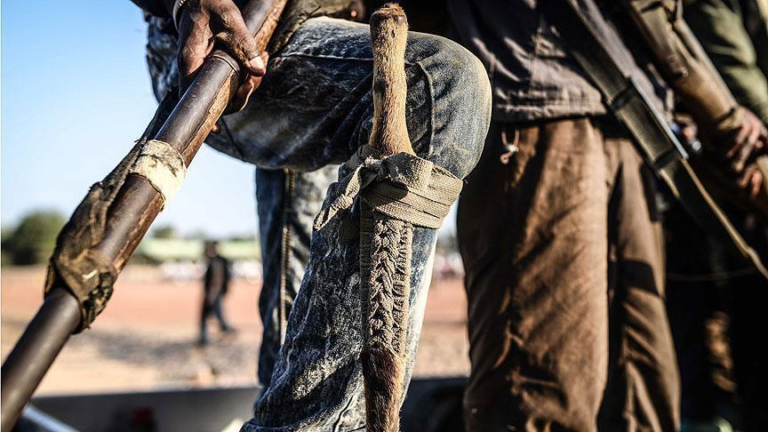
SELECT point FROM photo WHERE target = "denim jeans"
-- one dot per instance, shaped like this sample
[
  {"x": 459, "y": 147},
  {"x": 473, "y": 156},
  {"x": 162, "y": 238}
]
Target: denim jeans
[
  {"x": 287, "y": 202},
  {"x": 315, "y": 108}
]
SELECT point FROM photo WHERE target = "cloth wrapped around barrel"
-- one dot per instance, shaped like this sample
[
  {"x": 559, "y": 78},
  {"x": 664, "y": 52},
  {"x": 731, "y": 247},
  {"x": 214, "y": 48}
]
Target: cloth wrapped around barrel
[{"x": 75, "y": 264}]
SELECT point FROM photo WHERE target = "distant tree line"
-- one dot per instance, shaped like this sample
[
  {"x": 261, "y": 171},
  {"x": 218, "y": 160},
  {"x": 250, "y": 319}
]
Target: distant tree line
[{"x": 32, "y": 240}]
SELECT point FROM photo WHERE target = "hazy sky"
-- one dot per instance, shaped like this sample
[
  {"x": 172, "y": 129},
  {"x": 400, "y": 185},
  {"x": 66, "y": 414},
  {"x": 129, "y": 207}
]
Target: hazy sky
[{"x": 75, "y": 95}]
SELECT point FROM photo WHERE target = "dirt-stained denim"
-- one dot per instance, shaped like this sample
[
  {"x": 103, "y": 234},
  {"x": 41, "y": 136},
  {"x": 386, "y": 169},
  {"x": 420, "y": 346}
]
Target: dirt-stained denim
[
  {"x": 287, "y": 202},
  {"x": 315, "y": 108}
]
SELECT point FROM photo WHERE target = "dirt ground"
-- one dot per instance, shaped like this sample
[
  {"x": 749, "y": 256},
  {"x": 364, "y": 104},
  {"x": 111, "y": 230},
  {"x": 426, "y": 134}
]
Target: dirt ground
[{"x": 145, "y": 338}]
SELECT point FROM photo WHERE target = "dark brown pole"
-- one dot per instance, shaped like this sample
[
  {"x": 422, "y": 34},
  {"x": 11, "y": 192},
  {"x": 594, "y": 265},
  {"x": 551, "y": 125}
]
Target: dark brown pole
[
  {"x": 134, "y": 210},
  {"x": 34, "y": 353}
]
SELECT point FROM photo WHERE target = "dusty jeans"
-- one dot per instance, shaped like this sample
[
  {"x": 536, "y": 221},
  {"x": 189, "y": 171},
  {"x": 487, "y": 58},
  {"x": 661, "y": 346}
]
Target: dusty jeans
[
  {"x": 551, "y": 239},
  {"x": 287, "y": 202},
  {"x": 315, "y": 108}
]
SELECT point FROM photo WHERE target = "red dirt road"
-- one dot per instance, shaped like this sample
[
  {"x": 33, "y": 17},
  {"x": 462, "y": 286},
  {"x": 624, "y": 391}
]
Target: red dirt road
[{"x": 145, "y": 338}]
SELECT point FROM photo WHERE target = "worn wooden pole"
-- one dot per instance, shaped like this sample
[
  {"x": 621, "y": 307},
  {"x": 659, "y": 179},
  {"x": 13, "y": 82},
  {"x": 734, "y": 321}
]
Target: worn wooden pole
[{"x": 135, "y": 208}]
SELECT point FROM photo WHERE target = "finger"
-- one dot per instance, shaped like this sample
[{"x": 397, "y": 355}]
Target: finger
[
  {"x": 239, "y": 42},
  {"x": 243, "y": 94},
  {"x": 755, "y": 134},
  {"x": 738, "y": 138},
  {"x": 758, "y": 151},
  {"x": 744, "y": 132},
  {"x": 194, "y": 46},
  {"x": 747, "y": 150},
  {"x": 762, "y": 142},
  {"x": 736, "y": 144},
  {"x": 757, "y": 183}
]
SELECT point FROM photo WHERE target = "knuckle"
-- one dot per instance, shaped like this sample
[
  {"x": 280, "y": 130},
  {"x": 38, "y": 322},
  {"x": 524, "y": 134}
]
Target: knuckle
[
  {"x": 187, "y": 52},
  {"x": 242, "y": 42}
]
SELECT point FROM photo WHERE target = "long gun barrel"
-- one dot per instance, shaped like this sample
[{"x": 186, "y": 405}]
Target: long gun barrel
[{"x": 136, "y": 205}]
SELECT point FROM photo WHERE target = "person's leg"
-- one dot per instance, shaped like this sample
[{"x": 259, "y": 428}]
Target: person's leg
[
  {"x": 313, "y": 108},
  {"x": 317, "y": 109},
  {"x": 750, "y": 296},
  {"x": 204, "y": 313},
  {"x": 533, "y": 236},
  {"x": 287, "y": 203},
  {"x": 643, "y": 391},
  {"x": 218, "y": 312},
  {"x": 697, "y": 311}
]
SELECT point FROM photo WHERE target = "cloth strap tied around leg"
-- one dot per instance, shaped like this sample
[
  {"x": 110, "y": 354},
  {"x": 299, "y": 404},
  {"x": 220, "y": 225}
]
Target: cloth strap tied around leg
[
  {"x": 402, "y": 186},
  {"x": 397, "y": 193},
  {"x": 163, "y": 166}
]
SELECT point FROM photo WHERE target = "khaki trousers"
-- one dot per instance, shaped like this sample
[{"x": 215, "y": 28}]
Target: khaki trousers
[{"x": 564, "y": 275}]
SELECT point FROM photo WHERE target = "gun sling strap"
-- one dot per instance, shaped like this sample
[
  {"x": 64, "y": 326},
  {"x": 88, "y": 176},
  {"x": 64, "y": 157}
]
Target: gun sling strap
[{"x": 650, "y": 132}]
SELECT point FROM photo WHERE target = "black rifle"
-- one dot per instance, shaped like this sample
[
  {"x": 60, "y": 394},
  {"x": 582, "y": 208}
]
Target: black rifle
[{"x": 580, "y": 23}]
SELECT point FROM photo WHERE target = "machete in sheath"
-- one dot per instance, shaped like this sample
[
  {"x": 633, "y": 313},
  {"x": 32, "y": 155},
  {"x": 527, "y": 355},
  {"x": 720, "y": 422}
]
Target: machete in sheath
[{"x": 649, "y": 129}]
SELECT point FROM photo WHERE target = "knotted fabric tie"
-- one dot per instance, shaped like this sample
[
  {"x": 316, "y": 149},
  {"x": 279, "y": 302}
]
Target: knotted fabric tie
[{"x": 402, "y": 186}]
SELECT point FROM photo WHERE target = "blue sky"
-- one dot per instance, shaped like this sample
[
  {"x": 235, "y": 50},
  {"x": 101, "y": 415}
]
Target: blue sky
[{"x": 75, "y": 95}]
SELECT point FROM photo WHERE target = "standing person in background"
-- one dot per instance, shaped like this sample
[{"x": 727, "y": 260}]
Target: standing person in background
[
  {"x": 716, "y": 306},
  {"x": 215, "y": 287}
]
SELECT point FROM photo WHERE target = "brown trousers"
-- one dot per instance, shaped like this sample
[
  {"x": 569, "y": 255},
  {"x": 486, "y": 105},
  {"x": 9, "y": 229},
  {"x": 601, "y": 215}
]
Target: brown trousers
[{"x": 558, "y": 242}]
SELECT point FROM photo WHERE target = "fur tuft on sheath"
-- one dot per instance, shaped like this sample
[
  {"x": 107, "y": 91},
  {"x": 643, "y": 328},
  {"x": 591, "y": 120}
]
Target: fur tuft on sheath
[
  {"x": 383, "y": 372},
  {"x": 389, "y": 36}
]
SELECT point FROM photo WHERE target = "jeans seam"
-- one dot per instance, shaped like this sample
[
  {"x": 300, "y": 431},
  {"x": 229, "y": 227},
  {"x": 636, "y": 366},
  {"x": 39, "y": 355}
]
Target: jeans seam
[
  {"x": 337, "y": 423},
  {"x": 285, "y": 261}
]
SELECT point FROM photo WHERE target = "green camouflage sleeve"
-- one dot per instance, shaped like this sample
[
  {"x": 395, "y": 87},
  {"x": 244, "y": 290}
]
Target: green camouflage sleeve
[{"x": 720, "y": 27}]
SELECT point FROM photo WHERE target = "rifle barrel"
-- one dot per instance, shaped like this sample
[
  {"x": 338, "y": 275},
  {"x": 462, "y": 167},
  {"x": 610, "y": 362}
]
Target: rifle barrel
[
  {"x": 135, "y": 208},
  {"x": 35, "y": 351}
]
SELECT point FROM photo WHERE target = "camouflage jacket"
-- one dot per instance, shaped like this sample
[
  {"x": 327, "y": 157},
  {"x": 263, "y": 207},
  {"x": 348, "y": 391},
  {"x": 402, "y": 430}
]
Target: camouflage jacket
[{"x": 735, "y": 35}]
